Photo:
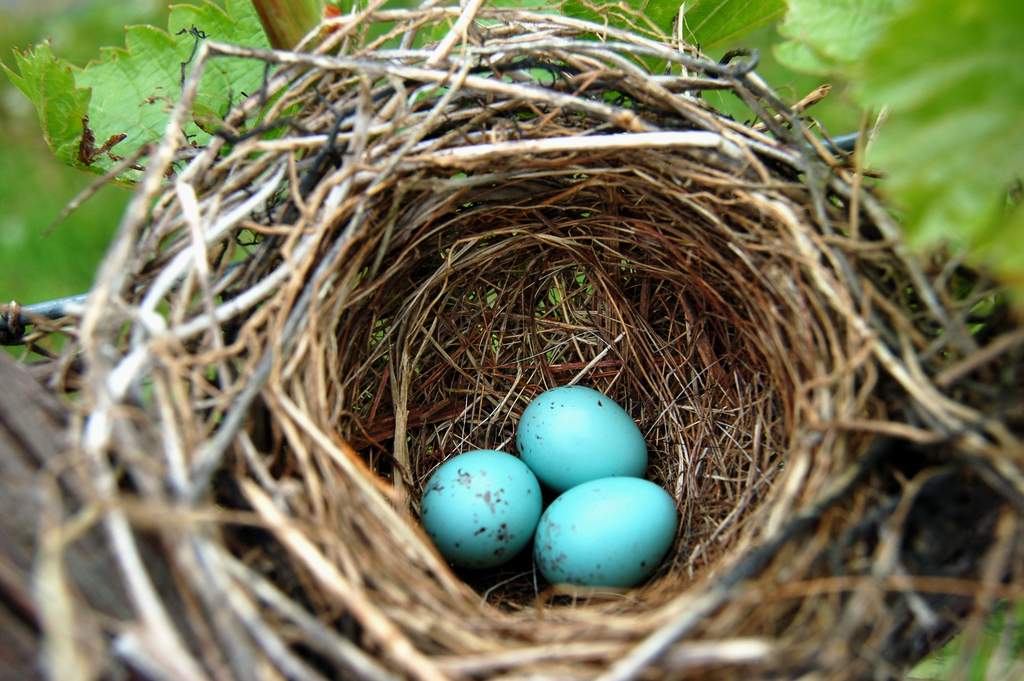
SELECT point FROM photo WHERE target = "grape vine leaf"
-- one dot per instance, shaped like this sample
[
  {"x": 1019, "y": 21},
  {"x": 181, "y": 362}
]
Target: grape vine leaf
[
  {"x": 953, "y": 146},
  {"x": 129, "y": 91},
  {"x": 712, "y": 23},
  {"x": 824, "y": 36},
  {"x": 50, "y": 83}
]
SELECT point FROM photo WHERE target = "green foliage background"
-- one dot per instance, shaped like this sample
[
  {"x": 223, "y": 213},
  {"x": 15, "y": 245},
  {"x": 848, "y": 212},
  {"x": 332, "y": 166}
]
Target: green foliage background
[
  {"x": 953, "y": 147},
  {"x": 36, "y": 264}
]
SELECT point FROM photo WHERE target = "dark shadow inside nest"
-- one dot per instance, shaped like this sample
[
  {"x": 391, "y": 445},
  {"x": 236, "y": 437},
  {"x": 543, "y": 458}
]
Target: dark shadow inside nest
[{"x": 473, "y": 315}]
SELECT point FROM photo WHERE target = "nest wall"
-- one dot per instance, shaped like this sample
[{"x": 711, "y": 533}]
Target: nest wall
[{"x": 292, "y": 333}]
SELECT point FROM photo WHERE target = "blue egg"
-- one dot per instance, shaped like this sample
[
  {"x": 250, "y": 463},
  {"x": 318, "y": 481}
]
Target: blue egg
[
  {"x": 481, "y": 508},
  {"x": 612, "y": 532},
  {"x": 571, "y": 435}
]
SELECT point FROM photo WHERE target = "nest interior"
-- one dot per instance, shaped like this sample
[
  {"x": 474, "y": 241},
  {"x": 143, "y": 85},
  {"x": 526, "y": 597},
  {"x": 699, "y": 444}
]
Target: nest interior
[
  {"x": 497, "y": 292},
  {"x": 443, "y": 233}
]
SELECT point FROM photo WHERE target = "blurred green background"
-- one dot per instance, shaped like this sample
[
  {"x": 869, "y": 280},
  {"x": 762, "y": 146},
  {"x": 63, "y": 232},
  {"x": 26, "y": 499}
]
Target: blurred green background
[{"x": 37, "y": 263}]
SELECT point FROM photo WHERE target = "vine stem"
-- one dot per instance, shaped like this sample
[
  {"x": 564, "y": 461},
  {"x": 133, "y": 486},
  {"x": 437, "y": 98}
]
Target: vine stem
[{"x": 286, "y": 22}]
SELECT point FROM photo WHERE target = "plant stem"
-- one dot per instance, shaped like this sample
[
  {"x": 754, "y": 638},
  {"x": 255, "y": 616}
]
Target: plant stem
[{"x": 287, "y": 21}]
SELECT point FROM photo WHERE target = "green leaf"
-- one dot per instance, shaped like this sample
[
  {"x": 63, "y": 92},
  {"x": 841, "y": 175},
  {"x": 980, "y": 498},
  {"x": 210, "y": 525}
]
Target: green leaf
[
  {"x": 49, "y": 83},
  {"x": 626, "y": 13},
  {"x": 801, "y": 57},
  {"x": 129, "y": 91},
  {"x": 710, "y": 23},
  {"x": 826, "y": 35},
  {"x": 954, "y": 142}
]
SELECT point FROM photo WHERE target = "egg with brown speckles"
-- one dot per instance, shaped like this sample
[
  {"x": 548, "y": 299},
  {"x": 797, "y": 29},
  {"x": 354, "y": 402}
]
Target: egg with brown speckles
[
  {"x": 481, "y": 508},
  {"x": 612, "y": 532},
  {"x": 573, "y": 434}
]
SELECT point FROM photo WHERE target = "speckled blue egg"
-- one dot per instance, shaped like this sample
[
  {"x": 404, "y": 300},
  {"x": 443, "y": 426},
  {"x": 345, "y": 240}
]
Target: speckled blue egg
[
  {"x": 611, "y": 532},
  {"x": 481, "y": 508},
  {"x": 573, "y": 434}
]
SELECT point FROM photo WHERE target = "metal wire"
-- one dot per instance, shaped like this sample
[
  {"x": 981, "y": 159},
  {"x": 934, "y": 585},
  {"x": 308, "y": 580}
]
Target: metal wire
[{"x": 13, "y": 323}]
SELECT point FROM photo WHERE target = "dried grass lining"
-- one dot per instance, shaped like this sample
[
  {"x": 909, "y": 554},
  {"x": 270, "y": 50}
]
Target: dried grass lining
[{"x": 470, "y": 237}]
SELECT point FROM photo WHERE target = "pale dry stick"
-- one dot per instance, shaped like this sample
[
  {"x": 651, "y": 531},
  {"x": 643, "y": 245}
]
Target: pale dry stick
[
  {"x": 992, "y": 351},
  {"x": 597, "y": 358},
  {"x": 925, "y": 394},
  {"x": 616, "y": 52},
  {"x": 624, "y": 118},
  {"x": 355, "y": 470},
  {"x": 209, "y": 456},
  {"x": 157, "y": 630},
  {"x": 892, "y": 233},
  {"x": 245, "y": 301},
  {"x": 632, "y": 664},
  {"x": 891, "y": 540},
  {"x": 633, "y": 43},
  {"x": 258, "y": 467},
  {"x": 457, "y": 32},
  {"x": 355, "y": 222},
  {"x": 413, "y": 136},
  {"x": 391, "y": 640},
  {"x": 122, "y": 376},
  {"x": 146, "y": 656},
  {"x": 220, "y": 623},
  {"x": 809, "y": 100},
  {"x": 96, "y": 433},
  {"x": 174, "y": 271},
  {"x": 317, "y": 635},
  {"x": 63, "y": 632},
  {"x": 189, "y": 203},
  {"x": 918, "y": 606},
  {"x": 400, "y": 378},
  {"x": 238, "y": 601},
  {"x": 721, "y": 653},
  {"x": 519, "y": 148},
  {"x": 798, "y": 465},
  {"x": 341, "y": 28},
  {"x": 517, "y": 658},
  {"x": 902, "y": 431},
  {"x": 316, "y": 141},
  {"x": 170, "y": 436},
  {"x": 363, "y": 177},
  {"x": 630, "y": 42},
  {"x": 952, "y": 586},
  {"x": 332, "y": 190}
]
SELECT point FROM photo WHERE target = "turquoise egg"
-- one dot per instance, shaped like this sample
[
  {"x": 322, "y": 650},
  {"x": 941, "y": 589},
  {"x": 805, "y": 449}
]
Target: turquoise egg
[
  {"x": 611, "y": 532},
  {"x": 481, "y": 508},
  {"x": 571, "y": 435}
]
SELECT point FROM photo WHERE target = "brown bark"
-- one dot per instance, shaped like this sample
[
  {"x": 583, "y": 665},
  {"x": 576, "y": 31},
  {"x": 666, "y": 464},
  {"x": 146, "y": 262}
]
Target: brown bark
[{"x": 32, "y": 445}]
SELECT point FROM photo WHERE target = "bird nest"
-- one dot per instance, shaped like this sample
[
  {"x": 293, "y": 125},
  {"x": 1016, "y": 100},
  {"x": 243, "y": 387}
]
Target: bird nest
[{"x": 294, "y": 330}]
